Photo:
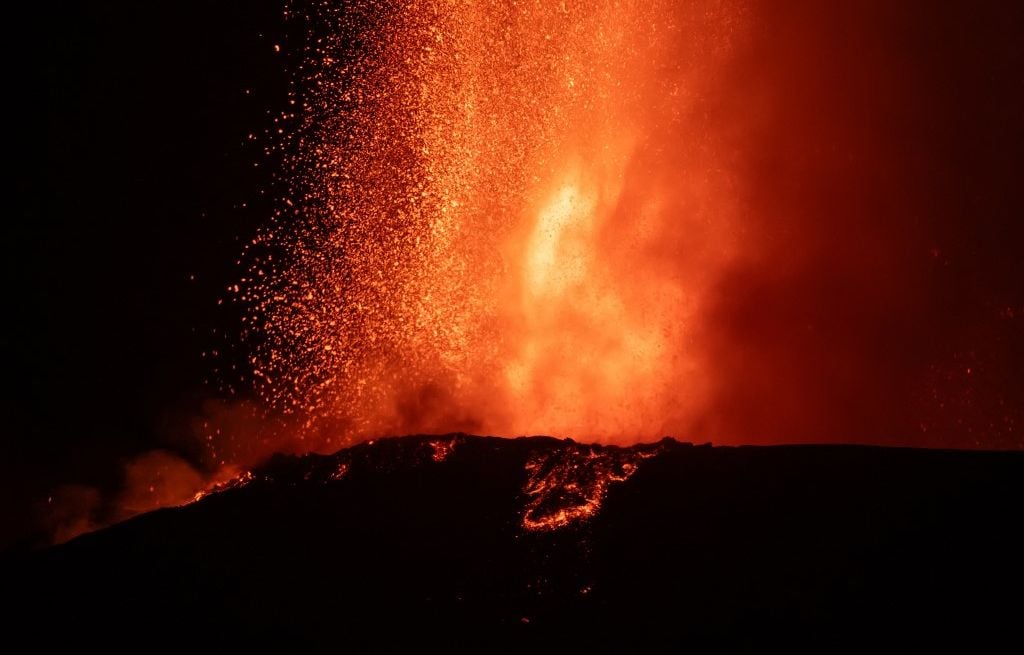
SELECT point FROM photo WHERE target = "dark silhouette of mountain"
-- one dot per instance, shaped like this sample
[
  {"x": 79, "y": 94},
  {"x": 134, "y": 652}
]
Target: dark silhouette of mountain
[{"x": 484, "y": 544}]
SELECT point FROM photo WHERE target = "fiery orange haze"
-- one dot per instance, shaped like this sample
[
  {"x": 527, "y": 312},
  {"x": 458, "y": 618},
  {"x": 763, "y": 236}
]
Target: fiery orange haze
[
  {"x": 505, "y": 217},
  {"x": 725, "y": 220}
]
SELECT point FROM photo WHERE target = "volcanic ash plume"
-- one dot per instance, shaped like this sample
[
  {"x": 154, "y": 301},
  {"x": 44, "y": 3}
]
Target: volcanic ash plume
[{"x": 504, "y": 218}]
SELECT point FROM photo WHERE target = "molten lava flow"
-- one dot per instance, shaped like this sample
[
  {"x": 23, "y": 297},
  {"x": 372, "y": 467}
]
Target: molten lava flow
[
  {"x": 442, "y": 448},
  {"x": 504, "y": 218},
  {"x": 567, "y": 485},
  {"x": 564, "y": 483},
  {"x": 236, "y": 481}
]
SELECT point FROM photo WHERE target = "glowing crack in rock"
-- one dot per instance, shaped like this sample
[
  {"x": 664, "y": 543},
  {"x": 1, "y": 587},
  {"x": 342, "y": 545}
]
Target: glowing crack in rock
[
  {"x": 234, "y": 482},
  {"x": 568, "y": 485},
  {"x": 442, "y": 448}
]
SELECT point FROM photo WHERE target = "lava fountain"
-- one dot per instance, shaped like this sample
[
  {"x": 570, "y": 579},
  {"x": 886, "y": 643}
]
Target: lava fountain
[{"x": 503, "y": 217}]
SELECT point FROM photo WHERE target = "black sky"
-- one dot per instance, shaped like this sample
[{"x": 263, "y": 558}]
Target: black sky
[{"x": 132, "y": 164}]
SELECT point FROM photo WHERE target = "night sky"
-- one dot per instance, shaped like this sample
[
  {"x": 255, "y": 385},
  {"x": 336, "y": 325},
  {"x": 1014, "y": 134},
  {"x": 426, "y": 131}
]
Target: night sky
[
  {"x": 875, "y": 134},
  {"x": 132, "y": 163}
]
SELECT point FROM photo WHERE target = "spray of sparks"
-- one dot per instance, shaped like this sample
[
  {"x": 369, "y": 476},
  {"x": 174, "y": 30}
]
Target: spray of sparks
[{"x": 502, "y": 218}]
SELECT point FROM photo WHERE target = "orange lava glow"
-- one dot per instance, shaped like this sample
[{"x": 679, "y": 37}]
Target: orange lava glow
[
  {"x": 567, "y": 486},
  {"x": 611, "y": 220},
  {"x": 233, "y": 482},
  {"x": 504, "y": 219}
]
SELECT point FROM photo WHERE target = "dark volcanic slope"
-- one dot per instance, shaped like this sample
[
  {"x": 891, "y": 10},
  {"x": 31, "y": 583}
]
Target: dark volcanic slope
[{"x": 424, "y": 542}]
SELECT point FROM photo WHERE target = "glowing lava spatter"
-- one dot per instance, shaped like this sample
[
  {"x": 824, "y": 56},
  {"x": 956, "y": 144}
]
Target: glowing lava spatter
[
  {"x": 503, "y": 219},
  {"x": 567, "y": 485}
]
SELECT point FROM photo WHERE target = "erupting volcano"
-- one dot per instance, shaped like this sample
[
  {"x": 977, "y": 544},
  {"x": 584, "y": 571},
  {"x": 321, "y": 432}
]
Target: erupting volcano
[
  {"x": 504, "y": 218},
  {"x": 616, "y": 222}
]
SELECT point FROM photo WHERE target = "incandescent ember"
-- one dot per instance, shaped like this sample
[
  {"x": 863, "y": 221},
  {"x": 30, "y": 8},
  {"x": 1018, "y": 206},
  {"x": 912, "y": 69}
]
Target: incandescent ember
[{"x": 502, "y": 218}]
